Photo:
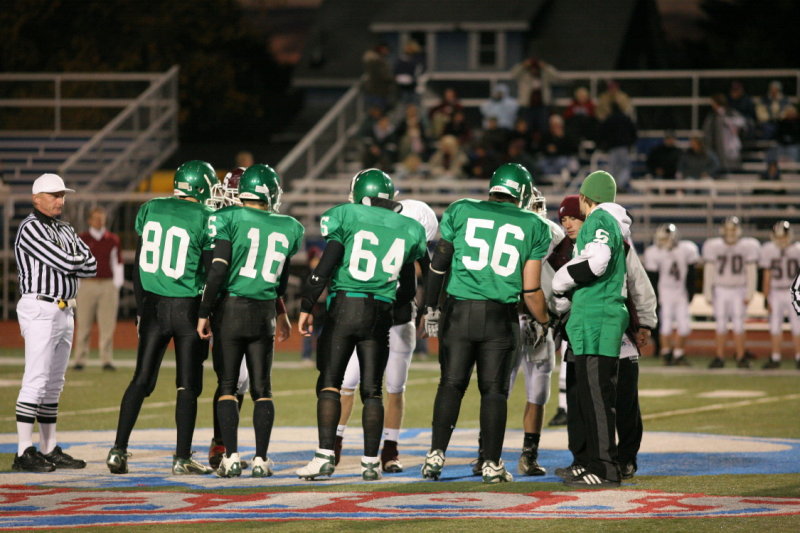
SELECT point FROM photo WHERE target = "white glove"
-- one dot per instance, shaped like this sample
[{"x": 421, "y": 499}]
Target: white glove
[
  {"x": 562, "y": 303},
  {"x": 533, "y": 333},
  {"x": 432, "y": 322}
]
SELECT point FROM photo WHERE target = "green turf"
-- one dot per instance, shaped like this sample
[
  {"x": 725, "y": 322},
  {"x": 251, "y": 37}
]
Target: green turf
[{"x": 93, "y": 389}]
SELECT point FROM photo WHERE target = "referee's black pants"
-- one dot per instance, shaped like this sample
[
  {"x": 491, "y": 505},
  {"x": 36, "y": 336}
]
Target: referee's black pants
[
  {"x": 473, "y": 333},
  {"x": 596, "y": 416}
]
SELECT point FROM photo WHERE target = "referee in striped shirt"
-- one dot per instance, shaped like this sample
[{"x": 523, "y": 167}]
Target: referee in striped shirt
[{"x": 50, "y": 260}]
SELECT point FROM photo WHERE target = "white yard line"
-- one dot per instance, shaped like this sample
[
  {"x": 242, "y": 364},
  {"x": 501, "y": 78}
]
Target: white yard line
[{"x": 719, "y": 406}]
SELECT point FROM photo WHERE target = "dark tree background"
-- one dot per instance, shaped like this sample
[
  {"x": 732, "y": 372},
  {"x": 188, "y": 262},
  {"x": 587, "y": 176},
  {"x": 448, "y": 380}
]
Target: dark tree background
[
  {"x": 230, "y": 87},
  {"x": 748, "y": 34}
]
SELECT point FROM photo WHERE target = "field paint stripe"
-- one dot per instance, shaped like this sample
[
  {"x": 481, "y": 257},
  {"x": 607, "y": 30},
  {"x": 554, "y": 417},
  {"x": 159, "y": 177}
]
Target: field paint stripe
[
  {"x": 718, "y": 406},
  {"x": 159, "y": 405}
]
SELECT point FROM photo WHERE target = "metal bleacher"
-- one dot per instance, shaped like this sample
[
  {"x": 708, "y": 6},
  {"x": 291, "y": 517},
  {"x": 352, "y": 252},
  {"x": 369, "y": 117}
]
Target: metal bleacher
[{"x": 319, "y": 168}]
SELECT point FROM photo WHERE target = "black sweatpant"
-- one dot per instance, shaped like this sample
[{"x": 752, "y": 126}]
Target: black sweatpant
[
  {"x": 629, "y": 418},
  {"x": 596, "y": 395}
]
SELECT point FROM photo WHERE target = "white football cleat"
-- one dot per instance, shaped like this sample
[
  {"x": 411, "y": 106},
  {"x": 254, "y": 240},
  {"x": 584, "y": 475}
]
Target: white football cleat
[
  {"x": 322, "y": 464},
  {"x": 230, "y": 466},
  {"x": 496, "y": 472},
  {"x": 262, "y": 468},
  {"x": 434, "y": 462}
]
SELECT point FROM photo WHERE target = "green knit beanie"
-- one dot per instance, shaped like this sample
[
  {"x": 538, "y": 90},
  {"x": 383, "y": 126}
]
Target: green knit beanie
[{"x": 600, "y": 187}]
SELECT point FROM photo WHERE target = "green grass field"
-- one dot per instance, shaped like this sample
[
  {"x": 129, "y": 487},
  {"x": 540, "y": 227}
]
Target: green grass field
[{"x": 767, "y": 407}]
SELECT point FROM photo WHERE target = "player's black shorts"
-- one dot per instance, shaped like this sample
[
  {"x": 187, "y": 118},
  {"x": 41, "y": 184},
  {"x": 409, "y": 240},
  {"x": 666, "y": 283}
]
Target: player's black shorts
[
  {"x": 164, "y": 319},
  {"x": 244, "y": 327},
  {"x": 479, "y": 332},
  {"x": 359, "y": 322}
]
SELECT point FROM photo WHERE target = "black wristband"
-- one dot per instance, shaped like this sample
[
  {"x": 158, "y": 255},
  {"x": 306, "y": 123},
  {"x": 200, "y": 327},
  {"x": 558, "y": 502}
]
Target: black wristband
[{"x": 528, "y": 291}]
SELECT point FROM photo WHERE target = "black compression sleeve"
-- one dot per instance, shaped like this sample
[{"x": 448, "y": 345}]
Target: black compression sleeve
[
  {"x": 440, "y": 264},
  {"x": 138, "y": 290},
  {"x": 408, "y": 284},
  {"x": 582, "y": 273},
  {"x": 217, "y": 273},
  {"x": 284, "y": 282},
  {"x": 206, "y": 257},
  {"x": 318, "y": 279}
]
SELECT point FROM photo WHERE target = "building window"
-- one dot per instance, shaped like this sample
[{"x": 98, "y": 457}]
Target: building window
[{"x": 487, "y": 49}]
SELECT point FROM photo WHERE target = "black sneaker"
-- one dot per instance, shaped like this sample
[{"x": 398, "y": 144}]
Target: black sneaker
[
  {"x": 32, "y": 461},
  {"x": 78, "y": 366},
  {"x": 771, "y": 364},
  {"x": 680, "y": 361},
  {"x": 528, "y": 464},
  {"x": 64, "y": 460},
  {"x": 477, "y": 466},
  {"x": 743, "y": 363},
  {"x": 716, "y": 363},
  {"x": 627, "y": 470},
  {"x": 560, "y": 418},
  {"x": 667, "y": 357},
  {"x": 109, "y": 367},
  {"x": 337, "y": 450},
  {"x": 570, "y": 472},
  {"x": 587, "y": 480}
]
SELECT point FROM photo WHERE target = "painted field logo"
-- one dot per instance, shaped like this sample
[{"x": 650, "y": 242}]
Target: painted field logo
[{"x": 29, "y": 508}]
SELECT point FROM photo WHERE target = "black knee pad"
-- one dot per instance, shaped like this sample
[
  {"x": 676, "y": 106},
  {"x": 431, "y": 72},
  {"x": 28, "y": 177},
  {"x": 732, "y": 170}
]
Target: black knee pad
[
  {"x": 370, "y": 393},
  {"x": 458, "y": 387},
  {"x": 139, "y": 389},
  {"x": 493, "y": 387},
  {"x": 187, "y": 394}
]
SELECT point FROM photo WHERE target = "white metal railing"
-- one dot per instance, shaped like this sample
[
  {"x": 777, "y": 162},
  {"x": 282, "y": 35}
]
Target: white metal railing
[
  {"x": 135, "y": 142},
  {"x": 694, "y": 96}
]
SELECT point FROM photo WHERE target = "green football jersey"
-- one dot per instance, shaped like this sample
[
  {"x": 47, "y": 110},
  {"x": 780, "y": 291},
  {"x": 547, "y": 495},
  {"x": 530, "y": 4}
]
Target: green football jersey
[
  {"x": 174, "y": 234},
  {"x": 599, "y": 316},
  {"x": 491, "y": 241},
  {"x": 377, "y": 243},
  {"x": 261, "y": 244}
]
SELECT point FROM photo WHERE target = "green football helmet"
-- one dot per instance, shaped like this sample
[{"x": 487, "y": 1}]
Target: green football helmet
[
  {"x": 260, "y": 182},
  {"x": 371, "y": 183},
  {"x": 514, "y": 180},
  {"x": 195, "y": 179}
]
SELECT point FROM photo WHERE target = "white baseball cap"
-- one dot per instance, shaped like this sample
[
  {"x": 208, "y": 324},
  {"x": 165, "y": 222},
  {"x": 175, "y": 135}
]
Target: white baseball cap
[{"x": 50, "y": 183}]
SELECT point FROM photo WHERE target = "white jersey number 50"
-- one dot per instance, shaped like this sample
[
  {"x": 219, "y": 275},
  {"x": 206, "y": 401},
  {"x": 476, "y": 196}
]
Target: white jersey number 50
[{"x": 504, "y": 256}]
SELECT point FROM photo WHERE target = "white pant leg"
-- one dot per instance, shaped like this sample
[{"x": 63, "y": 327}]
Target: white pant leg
[
  {"x": 352, "y": 375},
  {"x": 243, "y": 384},
  {"x": 538, "y": 367},
  {"x": 402, "y": 341},
  {"x": 729, "y": 307},
  {"x": 47, "y": 331}
]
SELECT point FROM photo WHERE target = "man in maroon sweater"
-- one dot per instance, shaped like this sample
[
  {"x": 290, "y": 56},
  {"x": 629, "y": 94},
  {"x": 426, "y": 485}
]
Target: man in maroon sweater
[{"x": 98, "y": 297}]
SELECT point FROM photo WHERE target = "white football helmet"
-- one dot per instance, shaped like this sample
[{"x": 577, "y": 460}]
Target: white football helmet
[
  {"x": 782, "y": 234},
  {"x": 731, "y": 230},
  {"x": 538, "y": 202},
  {"x": 666, "y": 236}
]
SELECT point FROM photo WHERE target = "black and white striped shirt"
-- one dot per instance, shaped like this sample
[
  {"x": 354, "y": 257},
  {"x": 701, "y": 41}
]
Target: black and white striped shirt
[
  {"x": 51, "y": 257},
  {"x": 795, "y": 290}
]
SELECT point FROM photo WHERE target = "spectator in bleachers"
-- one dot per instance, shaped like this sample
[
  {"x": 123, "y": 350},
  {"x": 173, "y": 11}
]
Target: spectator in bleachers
[
  {"x": 374, "y": 114},
  {"x": 533, "y": 77},
  {"x": 441, "y": 114},
  {"x": 770, "y": 109},
  {"x": 613, "y": 94},
  {"x": 721, "y": 129},
  {"x": 788, "y": 135},
  {"x": 662, "y": 161},
  {"x": 616, "y": 135},
  {"x": 523, "y": 132},
  {"x": 557, "y": 150},
  {"x": 495, "y": 137},
  {"x": 244, "y": 159},
  {"x": 740, "y": 101},
  {"x": 483, "y": 161},
  {"x": 383, "y": 134},
  {"x": 449, "y": 159},
  {"x": 697, "y": 162},
  {"x": 409, "y": 66},
  {"x": 500, "y": 106},
  {"x": 378, "y": 79},
  {"x": 376, "y": 157},
  {"x": 579, "y": 116},
  {"x": 411, "y": 136},
  {"x": 459, "y": 127},
  {"x": 412, "y": 167},
  {"x": 516, "y": 154}
]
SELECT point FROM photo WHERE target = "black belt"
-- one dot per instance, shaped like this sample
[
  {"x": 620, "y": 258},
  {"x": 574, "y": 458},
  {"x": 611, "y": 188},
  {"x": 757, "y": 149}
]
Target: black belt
[{"x": 62, "y": 304}]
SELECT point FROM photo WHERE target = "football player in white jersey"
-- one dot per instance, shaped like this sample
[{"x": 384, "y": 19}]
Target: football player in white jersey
[
  {"x": 402, "y": 340},
  {"x": 780, "y": 259},
  {"x": 536, "y": 358},
  {"x": 729, "y": 282},
  {"x": 670, "y": 263}
]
